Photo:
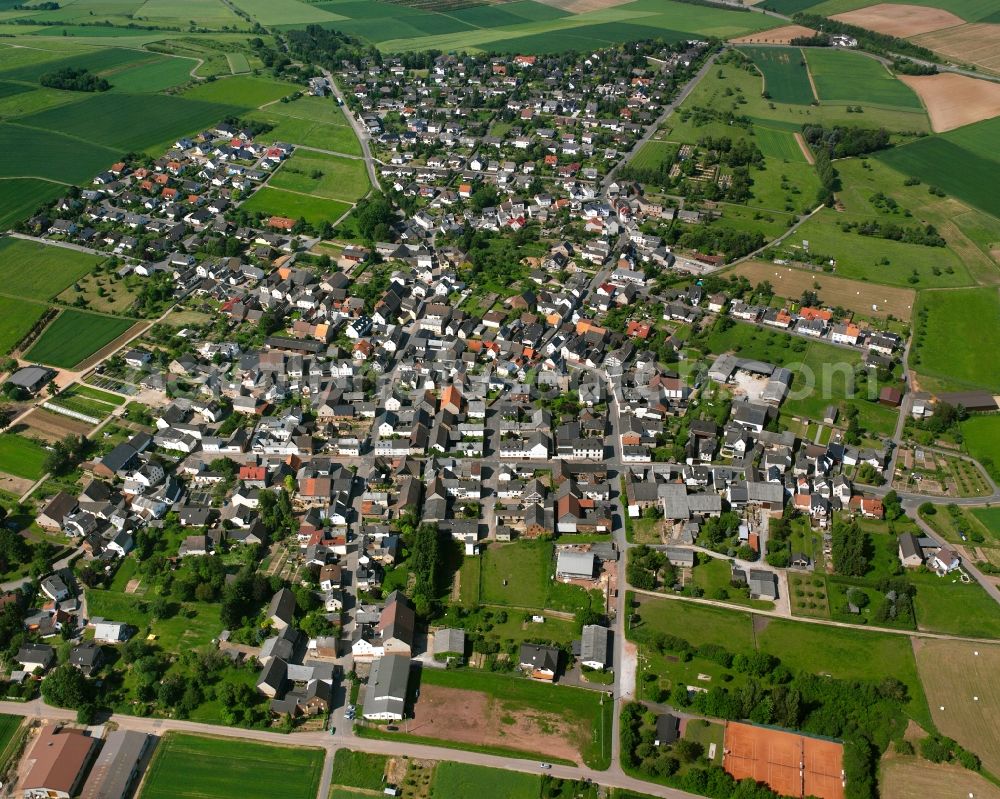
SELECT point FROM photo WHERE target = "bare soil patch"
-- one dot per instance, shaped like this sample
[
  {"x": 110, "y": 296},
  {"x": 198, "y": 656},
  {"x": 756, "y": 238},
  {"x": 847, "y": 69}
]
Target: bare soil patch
[
  {"x": 456, "y": 714},
  {"x": 782, "y": 35},
  {"x": 900, "y": 19},
  {"x": 53, "y": 426},
  {"x": 855, "y": 295},
  {"x": 964, "y": 695},
  {"x": 14, "y": 485},
  {"x": 803, "y": 146},
  {"x": 977, "y": 43},
  {"x": 955, "y": 100},
  {"x": 912, "y": 778}
]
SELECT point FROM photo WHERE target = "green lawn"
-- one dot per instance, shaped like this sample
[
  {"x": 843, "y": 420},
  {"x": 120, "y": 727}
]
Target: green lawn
[
  {"x": 277, "y": 202},
  {"x": 17, "y": 317},
  {"x": 322, "y": 175},
  {"x": 40, "y": 271},
  {"x": 990, "y": 517},
  {"x": 947, "y": 605},
  {"x": 241, "y": 90},
  {"x": 697, "y": 624},
  {"x": 359, "y": 769},
  {"x": 197, "y": 767},
  {"x": 715, "y": 576},
  {"x": 75, "y": 336},
  {"x": 306, "y": 132},
  {"x": 192, "y": 624},
  {"x": 460, "y": 781},
  {"x": 21, "y": 457},
  {"x": 525, "y": 566},
  {"x": 846, "y": 654},
  {"x": 960, "y": 338},
  {"x": 786, "y": 79}
]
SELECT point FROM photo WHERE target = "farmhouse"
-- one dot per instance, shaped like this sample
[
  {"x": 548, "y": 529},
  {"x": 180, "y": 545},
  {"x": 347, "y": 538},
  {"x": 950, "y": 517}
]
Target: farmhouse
[
  {"x": 911, "y": 555},
  {"x": 385, "y": 694},
  {"x": 539, "y": 662}
]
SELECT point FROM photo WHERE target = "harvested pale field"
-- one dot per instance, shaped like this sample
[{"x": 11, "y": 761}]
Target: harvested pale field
[
  {"x": 963, "y": 694},
  {"x": 977, "y": 44},
  {"x": 782, "y": 35},
  {"x": 456, "y": 714},
  {"x": 582, "y": 6},
  {"x": 14, "y": 485},
  {"x": 955, "y": 100},
  {"x": 855, "y": 295},
  {"x": 912, "y": 778},
  {"x": 53, "y": 426},
  {"x": 900, "y": 20}
]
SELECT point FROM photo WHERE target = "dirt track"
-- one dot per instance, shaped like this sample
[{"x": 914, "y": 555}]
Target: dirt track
[
  {"x": 955, "y": 100},
  {"x": 900, "y": 20}
]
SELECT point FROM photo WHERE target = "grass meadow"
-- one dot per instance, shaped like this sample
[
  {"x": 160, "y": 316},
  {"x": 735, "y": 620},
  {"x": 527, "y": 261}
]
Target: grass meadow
[
  {"x": 315, "y": 210},
  {"x": 194, "y": 766},
  {"x": 242, "y": 90},
  {"x": 359, "y": 769},
  {"x": 21, "y": 457},
  {"x": 328, "y": 176},
  {"x": 458, "y": 781},
  {"x": 960, "y": 338}
]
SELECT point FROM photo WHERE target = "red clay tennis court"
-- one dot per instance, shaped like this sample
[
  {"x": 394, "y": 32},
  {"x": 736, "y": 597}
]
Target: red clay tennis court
[{"x": 792, "y": 764}]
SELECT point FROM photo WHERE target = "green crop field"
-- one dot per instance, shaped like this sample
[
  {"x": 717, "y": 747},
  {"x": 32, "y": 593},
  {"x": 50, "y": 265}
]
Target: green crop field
[
  {"x": 778, "y": 144},
  {"x": 40, "y": 271},
  {"x": 21, "y": 457},
  {"x": 163, "y": 73},
  {"x": 242, "y": 90},
  {"x": 17, "y": 317},
  {"x": 130, "y": 121},
  {"x": 981, "y": 435},
  {"x": 75, "y": 336},
  {"x": 459, "y": 781},
  {"x": 359, "y": 769},
  {"x": 306, "y": 132},
  {"x": 842, "y": 76},
  {"x": 20, "y": 197},
  {"x": 322, "y": 175},
  {"x": 98, "y": 61},
  {"x": 990, "y": 517},
  {"x": 45, "y": 154},
  {"x": 315, "y": 210},
  {"x": 786, "y": 79},
  {"x": 286, "y": 12},
  {"x": 961, "y": 337},
  {"x": 654, "y": 153},
  {"x": 195, "y": 767}
]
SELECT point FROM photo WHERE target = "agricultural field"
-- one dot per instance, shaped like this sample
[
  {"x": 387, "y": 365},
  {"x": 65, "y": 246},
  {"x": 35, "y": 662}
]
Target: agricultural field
[
  {"x": 74, "y": 336},
  {"x": 778, "y": 144},
  {"x": 786, "y": 77},
  {"x": 963, "y": 693},
  {"x": 305, "y": 132},
  {"x": 653, "y": 154},
  {"x": 287, "y": 13},
  {"x": 315, "y": 210},
  {"x": 322, "y": 175},
  {"x": 87, "y": 400},
  {"x": 457, "y": 780},
  {"x": 975, "y": 44},
  {"x": 358, "y": 769},
  {"x": 898, "y": 20},
  {"x": 981, "y": 434},
  {"x": 854, "y": 295},
  {"x": 9, "y": 725},
  {"x": 17, "y": 317},
  {"x": 915, "y": 778},
  {"x": 21, "y": 457},
  {"x": 20, "y": 197},
  {"x": 37, "y": 271},
  {"x": 954, "y": 344},
  {"x": 50, "y": 155},
  {"x": 193, "y": 766},
  {"x": 842, "y": 76},
  {"x": 953, "y": 101}
]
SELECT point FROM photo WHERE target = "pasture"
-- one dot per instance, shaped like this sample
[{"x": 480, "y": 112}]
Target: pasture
[
  {"x": 39, "y": 271},
  {"x": 955, "y": 673},
  {"x": 21, "y": 457},
  {"x": 855, "y": 295},
  {"x": 194, "y": 766},
  {"x": 915, "y": 778},
  {"x": 947, "y": 605},
  {"x": 959, "y": 338},
  {"x": 17, "y": 317},
  {"x": 322, "y": 175},
  {"x": 74, "y": 336},
  {"x": 315, "y": 210},
  {"x": 786, "y": 78},
  {"x": 842, "y": 76},
  {"x": 458, "y": 780},
  {"x": 306, "y": 132}
]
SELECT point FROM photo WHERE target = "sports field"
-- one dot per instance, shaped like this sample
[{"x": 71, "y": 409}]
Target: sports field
[
  {"x": 17, "y": 317},
  {"x": 842, "y": 76},
  {"x": 786, "y": 79},
  {"x": 74, "y": 336},
  {"x": 21, "y": 456},
  {"x": 959, "y": 337},
  {"x": 196, "y": 767},
  {"x": 963, "y": 693},
  {"x": 40, "y": 271}
]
